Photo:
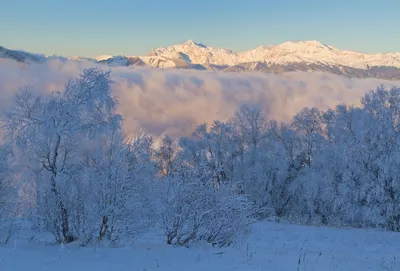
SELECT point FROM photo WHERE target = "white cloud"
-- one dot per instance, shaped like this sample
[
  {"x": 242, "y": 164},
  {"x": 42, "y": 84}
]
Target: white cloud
[{"x": 175, "y": 101}]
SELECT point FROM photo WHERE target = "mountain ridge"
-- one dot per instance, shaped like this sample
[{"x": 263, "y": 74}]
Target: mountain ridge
[{"x": 309, "y": 56}]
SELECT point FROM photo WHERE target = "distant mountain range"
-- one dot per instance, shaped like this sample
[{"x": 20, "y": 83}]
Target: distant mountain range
[{"x": 308, "y": 56}]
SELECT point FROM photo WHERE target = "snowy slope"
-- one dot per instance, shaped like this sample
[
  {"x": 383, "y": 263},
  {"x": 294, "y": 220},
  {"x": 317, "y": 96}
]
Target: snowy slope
[
  {"x": 103, "y": 57},
  {"x": 270, "y": 247}
]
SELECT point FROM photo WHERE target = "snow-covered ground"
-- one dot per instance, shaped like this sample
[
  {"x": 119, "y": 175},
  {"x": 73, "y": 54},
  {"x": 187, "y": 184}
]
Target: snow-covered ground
[{"x": 270, "y": 246}]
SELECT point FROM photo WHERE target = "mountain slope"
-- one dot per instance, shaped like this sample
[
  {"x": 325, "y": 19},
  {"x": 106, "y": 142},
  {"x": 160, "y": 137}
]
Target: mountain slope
[{"x": 20, "y": 56}]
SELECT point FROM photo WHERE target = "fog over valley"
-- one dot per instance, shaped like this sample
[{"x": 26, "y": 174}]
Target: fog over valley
[{"x": 176, "y": 101}]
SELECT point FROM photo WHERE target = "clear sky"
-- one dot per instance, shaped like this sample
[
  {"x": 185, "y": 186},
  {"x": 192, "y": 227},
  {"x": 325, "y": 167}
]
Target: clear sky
[{"x": 133, "y": 27}]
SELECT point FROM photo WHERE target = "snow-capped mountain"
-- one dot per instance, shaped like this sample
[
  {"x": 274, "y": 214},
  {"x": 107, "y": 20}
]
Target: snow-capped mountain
[
  {"x": 288, "y": 52},
  {"x": 306, "y": 56},
  {"x": 289, "y": 56}
]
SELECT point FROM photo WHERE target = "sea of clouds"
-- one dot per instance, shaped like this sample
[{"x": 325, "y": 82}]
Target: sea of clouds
[{"x": 176, "y": 101}]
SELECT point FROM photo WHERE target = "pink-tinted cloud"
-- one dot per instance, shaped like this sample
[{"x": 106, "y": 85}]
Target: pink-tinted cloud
[{"x": 175, "y": 101}]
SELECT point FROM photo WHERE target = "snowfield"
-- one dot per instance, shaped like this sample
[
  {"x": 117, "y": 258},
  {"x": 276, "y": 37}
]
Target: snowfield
[{"x": 270, "y": 246}]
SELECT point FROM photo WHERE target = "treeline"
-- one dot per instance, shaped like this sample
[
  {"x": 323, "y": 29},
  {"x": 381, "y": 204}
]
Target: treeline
[{"x": 68, "y": 167}]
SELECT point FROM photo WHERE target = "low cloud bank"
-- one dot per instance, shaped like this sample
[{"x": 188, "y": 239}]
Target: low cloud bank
[{"x": 176, "y": 101}]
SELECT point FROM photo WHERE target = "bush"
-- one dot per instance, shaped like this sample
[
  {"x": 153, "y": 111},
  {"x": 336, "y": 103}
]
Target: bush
[{"x": 196, "y": 210}]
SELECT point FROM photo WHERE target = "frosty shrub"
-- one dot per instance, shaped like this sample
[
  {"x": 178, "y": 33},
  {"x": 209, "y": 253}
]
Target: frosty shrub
[{"x": 194, "y": 208}]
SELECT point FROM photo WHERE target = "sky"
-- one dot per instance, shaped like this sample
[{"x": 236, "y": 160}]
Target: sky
[{"x": 133, "y": 27}]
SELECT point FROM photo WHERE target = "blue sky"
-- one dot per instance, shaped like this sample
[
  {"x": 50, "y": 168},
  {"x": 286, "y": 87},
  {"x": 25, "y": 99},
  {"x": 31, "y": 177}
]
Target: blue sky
[{"x": 89, "y": 28}]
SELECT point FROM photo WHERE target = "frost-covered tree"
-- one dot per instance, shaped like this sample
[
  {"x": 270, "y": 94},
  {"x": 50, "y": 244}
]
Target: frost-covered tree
[
  {"x": 9, "y": 200},
  {"x": 308, "y": 127},
  {"x": 217, "y": 147},
  {"x": 114, "y": 188},
  {"x": 251, "y": 125},
  {"x": 165, "y": 156},
  {"x": 251, "y": 136},
  {"x": 50, "y": 131},
  {"x": 354, "y": 177}
]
